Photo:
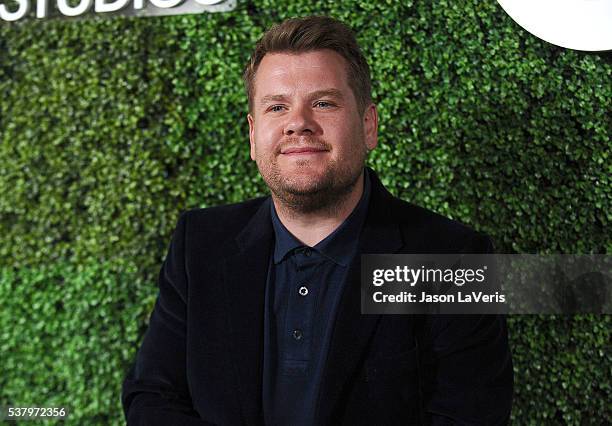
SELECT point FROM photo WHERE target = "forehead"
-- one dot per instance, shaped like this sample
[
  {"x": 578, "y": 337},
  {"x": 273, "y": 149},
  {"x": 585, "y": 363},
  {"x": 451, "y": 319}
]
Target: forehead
[{"x": 301, "y": 72}]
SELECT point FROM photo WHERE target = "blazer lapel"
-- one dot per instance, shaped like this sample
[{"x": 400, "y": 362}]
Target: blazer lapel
[
  {"x": 245, "y": 276},
  {"x": 352, "y": 330}
]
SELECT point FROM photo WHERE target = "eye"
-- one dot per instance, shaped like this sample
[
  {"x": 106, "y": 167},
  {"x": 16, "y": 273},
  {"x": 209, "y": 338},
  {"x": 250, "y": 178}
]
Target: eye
[
  {"x": 276, "y": 108},
  {"x": 323, "y": 104}
]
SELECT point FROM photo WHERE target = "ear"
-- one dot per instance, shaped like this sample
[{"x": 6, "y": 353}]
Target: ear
[
  {"x": 370, "y": 126},
  {"x": 251, "y": 135}
]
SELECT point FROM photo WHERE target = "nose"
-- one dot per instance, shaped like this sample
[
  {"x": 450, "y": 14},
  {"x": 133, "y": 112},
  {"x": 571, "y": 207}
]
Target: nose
[{"x": 301, "y": 121}]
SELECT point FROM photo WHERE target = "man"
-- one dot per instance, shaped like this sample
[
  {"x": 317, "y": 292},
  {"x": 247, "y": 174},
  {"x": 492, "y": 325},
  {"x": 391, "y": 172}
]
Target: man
[{"x": 258, "y": 315}]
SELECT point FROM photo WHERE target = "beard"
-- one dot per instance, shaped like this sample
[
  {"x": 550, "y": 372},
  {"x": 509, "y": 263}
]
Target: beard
[{"x": 300, "y": 191}]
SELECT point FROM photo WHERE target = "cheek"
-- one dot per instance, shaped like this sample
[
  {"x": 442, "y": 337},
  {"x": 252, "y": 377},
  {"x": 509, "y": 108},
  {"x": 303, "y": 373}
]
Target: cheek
[
  {"x": 349, "y": 141},
  {"x": 264, "y": 142},
  {"x": 271, "y": 131}
]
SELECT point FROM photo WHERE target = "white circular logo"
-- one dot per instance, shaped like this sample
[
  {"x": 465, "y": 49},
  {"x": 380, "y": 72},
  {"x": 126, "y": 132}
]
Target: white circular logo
[{"x": 575, "y": 24}]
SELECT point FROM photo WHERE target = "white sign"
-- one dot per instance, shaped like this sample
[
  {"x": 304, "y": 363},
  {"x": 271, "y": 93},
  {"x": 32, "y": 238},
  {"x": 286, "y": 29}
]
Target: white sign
[
  {"x": 575, "y": 24},
  {"x": 14, "y": 10}
]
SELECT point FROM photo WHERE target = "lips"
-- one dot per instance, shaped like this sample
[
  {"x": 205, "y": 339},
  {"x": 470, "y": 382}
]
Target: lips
[{"x": 302, "y": 150}]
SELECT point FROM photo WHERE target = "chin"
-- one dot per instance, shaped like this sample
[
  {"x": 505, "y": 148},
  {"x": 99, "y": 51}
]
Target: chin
[
  {"x": 303, "y": 184},
  {"x": 303, "y": 171}
]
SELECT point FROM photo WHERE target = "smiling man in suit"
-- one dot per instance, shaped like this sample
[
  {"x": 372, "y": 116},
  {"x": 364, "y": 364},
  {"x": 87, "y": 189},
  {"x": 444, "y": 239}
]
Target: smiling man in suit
[{"x": 258, "y": 316}]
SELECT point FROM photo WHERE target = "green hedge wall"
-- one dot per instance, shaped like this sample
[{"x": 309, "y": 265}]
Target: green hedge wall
[
  {"x": 109, "y": 128},
  {"x": 66, "y": 332}
]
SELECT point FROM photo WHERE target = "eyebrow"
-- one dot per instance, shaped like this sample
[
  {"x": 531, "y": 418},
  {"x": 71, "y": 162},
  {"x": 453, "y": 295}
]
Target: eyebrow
[{"x": 326, "y": 93}]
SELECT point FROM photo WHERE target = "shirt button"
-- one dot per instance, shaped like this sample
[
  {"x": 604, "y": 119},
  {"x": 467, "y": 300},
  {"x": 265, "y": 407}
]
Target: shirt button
[
  {"x": 303, "y": 290},
  {"x": 307, "y": 252},
  {"x": 297, "y": 334}
]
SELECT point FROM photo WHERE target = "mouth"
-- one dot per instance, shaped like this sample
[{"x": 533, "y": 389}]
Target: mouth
[{"x": 302, "y": 150}]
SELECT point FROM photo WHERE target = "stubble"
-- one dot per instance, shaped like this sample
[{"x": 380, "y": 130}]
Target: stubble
[{"x": 323, "y": 193}]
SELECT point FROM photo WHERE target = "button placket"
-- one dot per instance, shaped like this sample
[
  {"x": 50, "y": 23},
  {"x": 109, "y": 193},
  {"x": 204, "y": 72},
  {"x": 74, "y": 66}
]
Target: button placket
[{"x": 299, "y": 332}]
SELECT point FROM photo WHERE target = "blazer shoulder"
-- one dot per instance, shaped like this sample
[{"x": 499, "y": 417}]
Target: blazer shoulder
[
  {"x": 437, "y": 233},
  {"x": 210, "y": 233},
  {"x": 224, "y": 219}
]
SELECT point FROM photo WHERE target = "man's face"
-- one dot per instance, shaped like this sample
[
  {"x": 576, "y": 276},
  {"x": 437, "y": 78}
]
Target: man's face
[{"x": 307, "y": 136}]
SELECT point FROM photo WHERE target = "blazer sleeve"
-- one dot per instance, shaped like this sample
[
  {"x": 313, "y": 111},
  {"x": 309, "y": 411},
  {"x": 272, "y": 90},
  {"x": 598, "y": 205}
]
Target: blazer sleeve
[
  {"x": 155, "y": 390},
  {"x": 467, "y": 365}
]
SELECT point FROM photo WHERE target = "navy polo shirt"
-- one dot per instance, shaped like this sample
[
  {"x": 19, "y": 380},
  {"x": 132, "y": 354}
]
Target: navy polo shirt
[{"x": 302, "y": 296}]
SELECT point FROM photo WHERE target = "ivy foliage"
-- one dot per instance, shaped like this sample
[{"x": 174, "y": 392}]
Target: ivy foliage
[{"x": 110, "y": 127}]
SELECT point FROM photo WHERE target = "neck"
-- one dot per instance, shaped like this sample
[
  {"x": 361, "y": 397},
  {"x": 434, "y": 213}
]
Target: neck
[{"x": 312, "y": 227}]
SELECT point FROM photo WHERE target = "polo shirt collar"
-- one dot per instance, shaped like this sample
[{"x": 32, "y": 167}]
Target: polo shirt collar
[{"x": 339, "y": 246}]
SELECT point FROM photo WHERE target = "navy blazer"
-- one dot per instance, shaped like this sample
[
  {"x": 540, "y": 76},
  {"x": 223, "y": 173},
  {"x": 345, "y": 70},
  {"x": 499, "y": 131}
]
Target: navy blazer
[{"x": 200, "y": 362}]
